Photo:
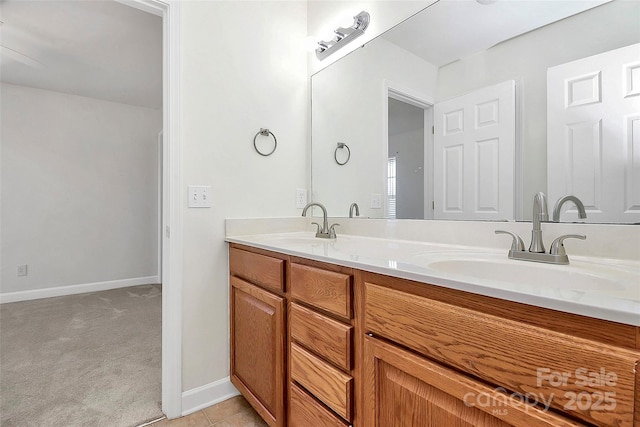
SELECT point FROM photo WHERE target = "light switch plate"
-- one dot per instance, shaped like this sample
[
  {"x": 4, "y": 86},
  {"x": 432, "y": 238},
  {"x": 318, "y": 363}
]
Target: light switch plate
[{"x": 199, "y": 196}]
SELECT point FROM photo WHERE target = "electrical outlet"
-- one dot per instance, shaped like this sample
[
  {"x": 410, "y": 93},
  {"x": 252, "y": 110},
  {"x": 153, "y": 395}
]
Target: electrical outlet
[
  {"x": 301, "y": 198},
  {"x": 376, "y": 201},
  {"x": 22, "y": 270},
  {"x": 199, "y": 196}
]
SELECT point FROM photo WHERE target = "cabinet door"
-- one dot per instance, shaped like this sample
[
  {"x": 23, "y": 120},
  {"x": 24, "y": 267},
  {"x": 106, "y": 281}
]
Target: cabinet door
[
  {"x": 257, "y": 348},
  {"x": 516, "y": 356},
  {"x": 402, "y": 389}
]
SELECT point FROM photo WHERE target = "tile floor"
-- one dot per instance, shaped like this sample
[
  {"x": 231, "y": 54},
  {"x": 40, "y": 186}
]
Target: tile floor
[{"x": 234, "y": 412}]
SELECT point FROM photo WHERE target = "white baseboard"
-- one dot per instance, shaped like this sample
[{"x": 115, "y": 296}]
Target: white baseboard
[
  {"x": 209, "y": 394},
  {"x": 59, "y": 291}
]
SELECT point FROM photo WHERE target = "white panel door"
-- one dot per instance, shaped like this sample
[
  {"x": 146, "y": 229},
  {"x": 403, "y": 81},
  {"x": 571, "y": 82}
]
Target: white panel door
[
  {"x": 593, "y": 135},
  {"x": 474, "y": 154}
]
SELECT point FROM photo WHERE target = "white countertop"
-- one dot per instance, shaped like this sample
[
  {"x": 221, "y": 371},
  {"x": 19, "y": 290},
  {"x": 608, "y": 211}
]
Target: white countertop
[{"x": 606, "y": 289}]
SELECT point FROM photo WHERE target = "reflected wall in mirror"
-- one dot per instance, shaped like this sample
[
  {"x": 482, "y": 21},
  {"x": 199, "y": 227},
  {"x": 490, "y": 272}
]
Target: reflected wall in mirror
[{"x": 449, "y": 54}]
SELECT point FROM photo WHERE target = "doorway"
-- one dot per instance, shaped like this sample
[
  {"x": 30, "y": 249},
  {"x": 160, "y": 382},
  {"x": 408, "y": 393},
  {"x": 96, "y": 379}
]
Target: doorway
[
  {"x": 408, "y": 124},
  {"x": 171, "y": 196}
]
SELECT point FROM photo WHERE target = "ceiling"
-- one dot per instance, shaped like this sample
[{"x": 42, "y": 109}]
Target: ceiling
[
  {"x": 99, "y": 49},
  {"x": 106, "y": 50},
  {"x": 461, "y": 28}
]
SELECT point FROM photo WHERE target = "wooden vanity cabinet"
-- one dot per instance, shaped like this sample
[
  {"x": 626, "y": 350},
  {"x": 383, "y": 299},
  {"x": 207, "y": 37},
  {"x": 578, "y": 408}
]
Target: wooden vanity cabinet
[
  {"x": 316, "y": 344},
  {"x": 258, "y": 331}
]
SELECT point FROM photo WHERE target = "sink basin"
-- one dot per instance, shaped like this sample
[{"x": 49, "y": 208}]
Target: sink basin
[
  {"x": 580, "y": 280},
  {"x": 539, "y": 275},
  {"x": 342, "y": 245},
  {"x": 299, "y": 240},
  {"x": 389, "y": 250}
]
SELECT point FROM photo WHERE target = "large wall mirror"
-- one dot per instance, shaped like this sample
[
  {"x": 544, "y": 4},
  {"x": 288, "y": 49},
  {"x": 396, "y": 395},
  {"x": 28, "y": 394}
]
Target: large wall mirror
[{"x": 469, "y": 108}]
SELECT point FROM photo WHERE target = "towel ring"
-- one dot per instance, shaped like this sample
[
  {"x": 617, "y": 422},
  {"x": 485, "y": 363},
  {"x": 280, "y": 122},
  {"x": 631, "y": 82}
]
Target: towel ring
[
  {"x": 335, "y": 153},
  {"x": 265, "y": 132}
]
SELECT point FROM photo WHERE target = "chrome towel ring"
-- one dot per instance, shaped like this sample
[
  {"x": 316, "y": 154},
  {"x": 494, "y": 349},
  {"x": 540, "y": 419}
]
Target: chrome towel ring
[
  {"x": 342, "y": 145},
  {"x": 265, "y": 132}
]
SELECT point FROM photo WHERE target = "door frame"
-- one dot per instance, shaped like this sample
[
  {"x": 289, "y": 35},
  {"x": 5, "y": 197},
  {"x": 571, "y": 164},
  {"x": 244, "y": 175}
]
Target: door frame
[
  {"x": 171, "y": 230},
  {"x": 412, "y": 97}
]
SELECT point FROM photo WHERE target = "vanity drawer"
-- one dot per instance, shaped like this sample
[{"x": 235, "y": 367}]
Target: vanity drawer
[
  {"x": 328, "y": 384},
  {"x": 324, "y": 336},
  {"x": 519, "y": 357},
  {"x": 305, "y": 411},
  {"x": 327, "y": 290},
  {"x": 259, "y": 269}
]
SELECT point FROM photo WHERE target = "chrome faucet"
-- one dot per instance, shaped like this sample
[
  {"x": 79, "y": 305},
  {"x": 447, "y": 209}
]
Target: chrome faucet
[
  {"x": 540, "y": 214},
  {"x": 536, "y": 252},
  {"x": 354, "y": 205},
  {"x": 582, "y": 214},
  {"x": 325, "y": 232}
]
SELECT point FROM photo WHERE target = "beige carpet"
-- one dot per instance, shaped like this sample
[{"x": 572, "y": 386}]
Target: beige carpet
[{"x": 91, "y": 359}]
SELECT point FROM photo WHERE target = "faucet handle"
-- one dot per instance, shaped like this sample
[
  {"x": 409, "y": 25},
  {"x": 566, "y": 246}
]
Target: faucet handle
[
  {"x": 517, "y": 244},
  {"x": 332, "y": 231},
  {"x": 557, "y": 247},
  {"x": 318, "y": 228}
]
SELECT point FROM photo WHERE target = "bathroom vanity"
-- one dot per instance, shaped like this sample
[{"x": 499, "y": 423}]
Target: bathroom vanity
[
  {"x": 321, "y": 336},
  {"x": 439, "y": 323}
]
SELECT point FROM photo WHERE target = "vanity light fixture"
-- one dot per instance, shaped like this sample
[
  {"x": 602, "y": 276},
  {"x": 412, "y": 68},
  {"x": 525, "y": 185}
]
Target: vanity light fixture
[{"x": 343, "y": 36}]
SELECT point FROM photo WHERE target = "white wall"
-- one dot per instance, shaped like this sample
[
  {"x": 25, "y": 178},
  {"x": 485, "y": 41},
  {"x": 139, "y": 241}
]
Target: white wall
[
  {"x": 233, "y": 83},
  {"x": 79, "y": 189},
  {"x": 243, "y": 68},
  {"x": 352, "y": 92},
  {"x": 325, "y": 16},
  {"x": 526, "y": 59}
]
